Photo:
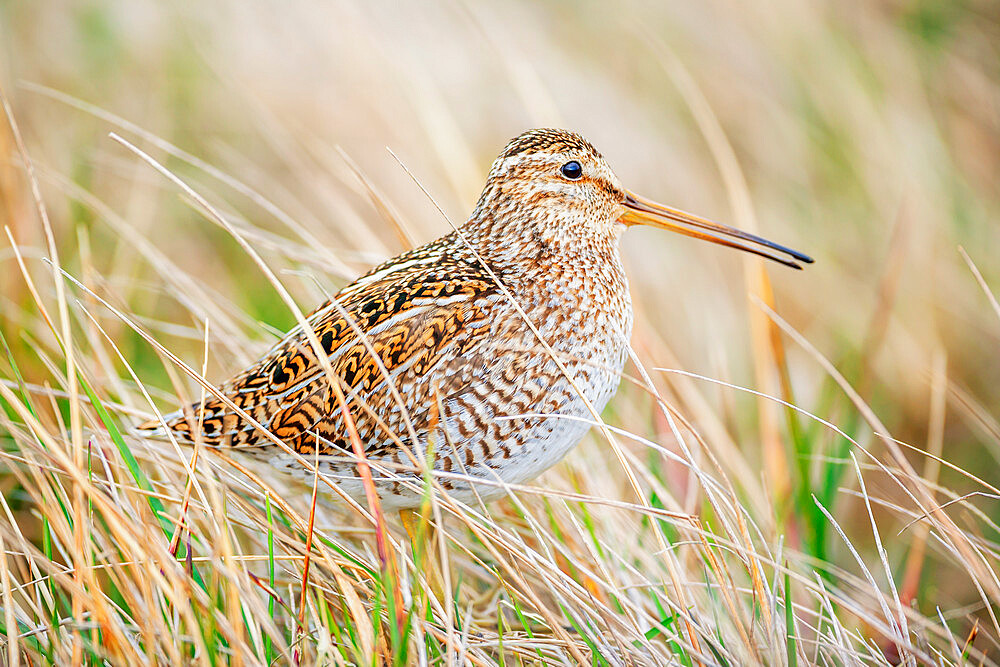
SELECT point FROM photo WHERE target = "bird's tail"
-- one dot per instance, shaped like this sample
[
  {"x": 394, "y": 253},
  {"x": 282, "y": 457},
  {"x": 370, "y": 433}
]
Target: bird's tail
[
  {"x": 211, "y": 422},
  {"x": 160, "y": 427}
]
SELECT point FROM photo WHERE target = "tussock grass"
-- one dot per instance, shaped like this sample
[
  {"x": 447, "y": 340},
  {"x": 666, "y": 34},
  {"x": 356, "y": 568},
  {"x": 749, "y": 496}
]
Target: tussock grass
[{"x": 798, "y": 468}]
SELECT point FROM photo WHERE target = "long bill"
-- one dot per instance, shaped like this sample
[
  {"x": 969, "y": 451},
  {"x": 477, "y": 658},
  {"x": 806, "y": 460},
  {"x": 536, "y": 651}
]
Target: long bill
[{"x": 641, "y": 211}]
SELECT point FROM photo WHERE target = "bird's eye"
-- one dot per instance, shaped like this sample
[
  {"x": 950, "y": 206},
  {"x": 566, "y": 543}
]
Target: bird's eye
[{"x": 572, "y": 170}]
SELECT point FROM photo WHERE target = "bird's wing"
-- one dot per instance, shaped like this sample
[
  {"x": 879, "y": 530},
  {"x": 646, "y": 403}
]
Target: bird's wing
[{"x": 413, "y": 311}]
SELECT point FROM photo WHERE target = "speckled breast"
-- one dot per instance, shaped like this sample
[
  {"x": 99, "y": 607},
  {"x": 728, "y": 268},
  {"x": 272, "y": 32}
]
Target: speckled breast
[{"x": 522, "y": 412}]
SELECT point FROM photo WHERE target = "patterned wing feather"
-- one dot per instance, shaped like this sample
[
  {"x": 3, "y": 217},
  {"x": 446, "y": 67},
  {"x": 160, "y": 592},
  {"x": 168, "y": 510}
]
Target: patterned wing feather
[{"x": 414, "y": 311}]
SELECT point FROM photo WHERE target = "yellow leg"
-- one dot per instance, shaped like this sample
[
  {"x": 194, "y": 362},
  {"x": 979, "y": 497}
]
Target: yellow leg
[{"x": 425, "y": 545}]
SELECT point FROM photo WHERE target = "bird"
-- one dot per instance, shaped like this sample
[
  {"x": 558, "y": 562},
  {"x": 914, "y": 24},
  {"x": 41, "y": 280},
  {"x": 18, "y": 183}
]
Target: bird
[{"x": 481, "y": 357}]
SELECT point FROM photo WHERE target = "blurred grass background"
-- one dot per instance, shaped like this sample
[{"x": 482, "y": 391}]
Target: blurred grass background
[{"x": 868, "y": 135}]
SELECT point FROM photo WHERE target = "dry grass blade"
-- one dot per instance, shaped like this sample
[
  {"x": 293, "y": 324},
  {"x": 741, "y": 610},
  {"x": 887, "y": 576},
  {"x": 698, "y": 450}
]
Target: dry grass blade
[{"x": 982, "y": 282}]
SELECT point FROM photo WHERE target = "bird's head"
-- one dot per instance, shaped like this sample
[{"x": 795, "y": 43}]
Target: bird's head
[{"x": 554, "y": 185}]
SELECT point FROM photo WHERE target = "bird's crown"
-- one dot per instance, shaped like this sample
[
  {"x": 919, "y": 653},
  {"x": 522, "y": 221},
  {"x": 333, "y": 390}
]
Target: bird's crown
[{"x": 548, "y": 140}]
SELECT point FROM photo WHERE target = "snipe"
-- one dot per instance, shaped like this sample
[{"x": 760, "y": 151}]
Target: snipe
[{"x": 489, "y": 403}]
